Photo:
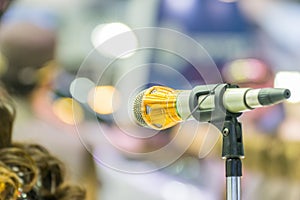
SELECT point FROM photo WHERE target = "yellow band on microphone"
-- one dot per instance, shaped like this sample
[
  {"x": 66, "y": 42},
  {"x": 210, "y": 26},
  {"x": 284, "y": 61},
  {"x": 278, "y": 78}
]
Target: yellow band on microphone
[{"x": 158, "y": 107}]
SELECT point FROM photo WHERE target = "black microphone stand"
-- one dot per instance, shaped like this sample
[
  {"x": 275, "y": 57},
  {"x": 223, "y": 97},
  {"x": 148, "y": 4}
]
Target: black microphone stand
[
  {"x": 233, "y": 151},
  {"x": 227, "y": 123}
]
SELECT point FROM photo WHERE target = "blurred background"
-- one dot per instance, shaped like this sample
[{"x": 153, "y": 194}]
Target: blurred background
[{"x": 68, "y": 83}]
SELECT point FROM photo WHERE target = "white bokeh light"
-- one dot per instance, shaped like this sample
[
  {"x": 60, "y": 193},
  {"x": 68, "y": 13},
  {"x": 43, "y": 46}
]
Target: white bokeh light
[
  {"x": 114, "y": 40},
  {"x": 291, "y": 81}
]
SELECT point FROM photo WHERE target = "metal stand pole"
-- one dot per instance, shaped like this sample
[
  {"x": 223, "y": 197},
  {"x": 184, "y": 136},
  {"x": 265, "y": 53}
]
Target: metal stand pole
[
  {"x": 233, "y": 187},
  {"x": 233, "y": 179}
]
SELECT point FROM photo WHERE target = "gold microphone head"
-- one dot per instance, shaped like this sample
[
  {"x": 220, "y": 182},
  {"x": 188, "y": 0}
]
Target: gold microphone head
[{"x": 155, "y": 107}]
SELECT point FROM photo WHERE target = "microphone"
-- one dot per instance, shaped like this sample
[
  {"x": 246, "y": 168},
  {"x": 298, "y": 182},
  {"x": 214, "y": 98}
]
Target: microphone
[{"x": 160, "y": 107}]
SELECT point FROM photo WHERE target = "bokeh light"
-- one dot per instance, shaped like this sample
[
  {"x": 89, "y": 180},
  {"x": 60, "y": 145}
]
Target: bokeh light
[
  {"x": 104, "y": 99},
  {"x": 65, "y": 108},
  {"x": 245, "y": 70},
  {"x": 291, "y": 81},
  {"x": 114, "y": 40}
]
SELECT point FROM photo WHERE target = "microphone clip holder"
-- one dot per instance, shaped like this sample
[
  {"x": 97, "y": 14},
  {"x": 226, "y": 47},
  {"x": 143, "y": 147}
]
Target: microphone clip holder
[{"x": 227, "y": 123}]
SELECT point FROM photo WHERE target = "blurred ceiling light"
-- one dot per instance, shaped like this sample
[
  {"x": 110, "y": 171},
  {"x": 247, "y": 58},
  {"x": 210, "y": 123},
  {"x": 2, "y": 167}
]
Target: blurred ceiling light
[
  {"x": 80, "y": 88},
  {"x": 291, "y": 81},
  {"x": 114, "y": 40},
  {"x": 66, "y": 108},
  {"x": 181, "y": 6},
  {"x": 104, "y": 99}
]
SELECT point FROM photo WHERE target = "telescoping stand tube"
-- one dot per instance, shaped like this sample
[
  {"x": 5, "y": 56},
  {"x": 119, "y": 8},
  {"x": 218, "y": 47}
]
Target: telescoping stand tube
[
  {"x": 227, "y": 123},
  {"x": 233, "y": 151}
]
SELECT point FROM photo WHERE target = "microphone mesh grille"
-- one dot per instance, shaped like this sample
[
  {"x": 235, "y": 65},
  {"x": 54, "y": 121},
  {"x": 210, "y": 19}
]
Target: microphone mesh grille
[{"x": 137, "y": 104}]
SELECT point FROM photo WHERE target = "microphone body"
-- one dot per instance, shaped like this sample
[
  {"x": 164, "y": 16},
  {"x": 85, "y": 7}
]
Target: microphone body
[{"x": 161, "y": 107}]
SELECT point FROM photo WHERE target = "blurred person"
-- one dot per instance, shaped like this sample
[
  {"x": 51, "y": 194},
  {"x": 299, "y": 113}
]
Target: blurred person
[
  {"x": 29, "y": 171},
  {"x": 28, "y": 70}
]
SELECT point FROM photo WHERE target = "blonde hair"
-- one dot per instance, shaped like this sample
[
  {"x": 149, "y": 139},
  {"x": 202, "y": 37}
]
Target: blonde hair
[{"x": 29, "y": 171}]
